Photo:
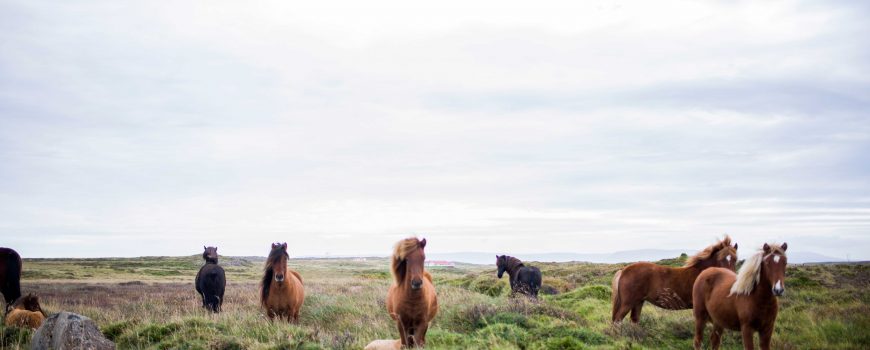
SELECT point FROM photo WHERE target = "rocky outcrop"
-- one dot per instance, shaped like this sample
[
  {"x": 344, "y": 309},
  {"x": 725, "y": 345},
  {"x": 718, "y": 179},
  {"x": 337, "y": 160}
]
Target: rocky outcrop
[{"x": 66, "y": 330}]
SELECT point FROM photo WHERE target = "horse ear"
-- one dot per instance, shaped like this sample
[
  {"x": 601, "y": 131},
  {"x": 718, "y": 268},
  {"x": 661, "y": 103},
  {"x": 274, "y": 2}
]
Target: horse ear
[
  {"x": 423, "y": 243},
  {"x": 274, "y": 245},
  {"x": 284, "y": 245},
  {"x": 203, "y": 248},
  {"x": 735, "y": 246},
  {"x": 784, "y": 246},
  {"x": 766, "y": 248}
]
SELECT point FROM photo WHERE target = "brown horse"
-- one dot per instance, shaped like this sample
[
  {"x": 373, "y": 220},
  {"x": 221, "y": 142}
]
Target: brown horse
[
  {"x": 10, "y": 276},
  {"x": 411, "y": 301},
  {"x": 666, "y": 287},
  {"x": 745, "y": 301},
  {"x": 281, "y": 292},
  {"x": 26, "y": 313}
]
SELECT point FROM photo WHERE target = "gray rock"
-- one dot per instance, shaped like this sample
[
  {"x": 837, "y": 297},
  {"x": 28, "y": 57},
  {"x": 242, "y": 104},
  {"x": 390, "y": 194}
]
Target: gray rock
[{"x": 66, "y": 330}]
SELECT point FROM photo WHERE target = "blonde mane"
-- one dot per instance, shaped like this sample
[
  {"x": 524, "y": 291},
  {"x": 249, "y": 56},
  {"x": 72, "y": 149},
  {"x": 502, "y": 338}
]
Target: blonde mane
[
  {"x": 402, "y": 249},
  {"x": 722, "y": 249},
  {"x": 750, "y": 272}
]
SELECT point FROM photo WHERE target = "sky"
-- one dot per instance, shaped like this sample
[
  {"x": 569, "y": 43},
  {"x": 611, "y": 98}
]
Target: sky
[{"x": 156, "y": 127}]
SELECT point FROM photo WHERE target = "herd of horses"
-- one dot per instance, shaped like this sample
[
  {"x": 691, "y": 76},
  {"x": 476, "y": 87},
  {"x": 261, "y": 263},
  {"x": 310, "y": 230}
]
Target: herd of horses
[{"x": 745, "y": 301}]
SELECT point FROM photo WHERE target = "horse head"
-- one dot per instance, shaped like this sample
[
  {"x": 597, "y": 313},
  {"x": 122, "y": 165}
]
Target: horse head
[
  {"x": 501, "y": 263},
  {"x": 278, "y": 261},
  {"x": 773, "y": 267},
  {"x": 720, "y": 254},
  {"x": 726, "y": 257},
  {"x": 408, "y": 260},
  {"x": 210, "y": 254},
  {"x": 414, "y": 265}
]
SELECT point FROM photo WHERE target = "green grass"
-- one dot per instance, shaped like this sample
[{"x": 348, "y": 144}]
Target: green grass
[{"x": 150, "y": 303}]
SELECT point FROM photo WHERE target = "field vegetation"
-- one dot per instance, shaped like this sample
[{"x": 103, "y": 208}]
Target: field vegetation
[{"x": 150, "y": 303}]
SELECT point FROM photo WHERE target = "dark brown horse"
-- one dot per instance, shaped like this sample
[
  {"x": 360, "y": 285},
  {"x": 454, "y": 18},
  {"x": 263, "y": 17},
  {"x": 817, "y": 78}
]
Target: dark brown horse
[
  {"x": 523, "y": 279},
  {"x": 665, "y": 287},
  {"x": 411, "y": 301},
  {"x": 10, "y": 276},
  {"x": 745, "y": 301},
  {"x": 281, "y": 292},
  {"x": 211, "y": 281},
  {"x": 26, "y": 313}
]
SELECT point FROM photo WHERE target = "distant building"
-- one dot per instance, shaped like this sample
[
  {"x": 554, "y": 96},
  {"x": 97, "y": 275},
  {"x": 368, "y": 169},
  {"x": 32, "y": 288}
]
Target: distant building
[{"x": 440, "y": 263}]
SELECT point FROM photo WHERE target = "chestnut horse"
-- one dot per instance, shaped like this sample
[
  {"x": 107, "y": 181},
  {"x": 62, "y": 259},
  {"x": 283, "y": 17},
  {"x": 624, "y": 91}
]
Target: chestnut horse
[
  {"x": 666, "y": 287},
  {"x": 26, "y": 313},
  {"x": 745, "y": 301},
  {"x": 411, "y": 301},
  {"x": 10, "y": 276},
  {"x": 282, "y": 293}
]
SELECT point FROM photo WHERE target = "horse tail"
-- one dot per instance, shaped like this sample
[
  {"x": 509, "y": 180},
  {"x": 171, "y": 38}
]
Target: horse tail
[
  {"x": 614, "y": 286},
  {"x": 536, "y": 281}
]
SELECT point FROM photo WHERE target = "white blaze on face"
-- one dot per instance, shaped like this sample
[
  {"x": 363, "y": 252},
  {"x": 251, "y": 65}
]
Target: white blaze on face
[
  {"x": 776, "y": 259},
  {"x": 778, "y": 285},
  {"x": 728, "y": 258}
]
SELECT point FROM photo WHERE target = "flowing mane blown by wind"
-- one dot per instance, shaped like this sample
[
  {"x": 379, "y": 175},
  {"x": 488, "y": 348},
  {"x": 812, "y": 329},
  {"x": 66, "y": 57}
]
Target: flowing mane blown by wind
[
  {"x": 749, "y": 273},
  {"x": 717, "y": 248}
]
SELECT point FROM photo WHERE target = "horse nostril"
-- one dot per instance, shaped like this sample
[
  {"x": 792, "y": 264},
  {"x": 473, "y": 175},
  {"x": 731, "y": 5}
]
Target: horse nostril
[{"x": 416, "y": 284}]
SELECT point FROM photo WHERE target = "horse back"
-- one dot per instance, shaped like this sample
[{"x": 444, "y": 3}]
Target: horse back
[
  {"x": 298, "y": 276},
  {"x": 24, "y": 318}
]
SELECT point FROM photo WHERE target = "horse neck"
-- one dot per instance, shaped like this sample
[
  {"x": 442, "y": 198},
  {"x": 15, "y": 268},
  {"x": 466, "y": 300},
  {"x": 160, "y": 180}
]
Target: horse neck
[
  {"x": 513, "y": 268},
  {"x": 763, "y": 290}
]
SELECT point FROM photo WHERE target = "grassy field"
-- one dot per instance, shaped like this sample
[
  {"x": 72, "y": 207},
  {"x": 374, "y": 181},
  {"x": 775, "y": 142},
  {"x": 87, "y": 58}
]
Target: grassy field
[{"x": 150, "y": 302}]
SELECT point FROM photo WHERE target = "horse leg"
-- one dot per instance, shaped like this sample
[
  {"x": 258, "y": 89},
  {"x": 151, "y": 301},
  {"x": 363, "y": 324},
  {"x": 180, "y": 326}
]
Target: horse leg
[
  {"x": 411, "y": 335},
  {"x": 747, "y": 332},
  {"x": 764, "y": 337},
  {"x": 635, "y": 313},
  {"x": 700, "y": 324},
  {"x": 402, "y": 335},
  {"x": 716, "y": 337},
  {"x": 620, "y": 310},
  {"x": 420, "y": 334}
]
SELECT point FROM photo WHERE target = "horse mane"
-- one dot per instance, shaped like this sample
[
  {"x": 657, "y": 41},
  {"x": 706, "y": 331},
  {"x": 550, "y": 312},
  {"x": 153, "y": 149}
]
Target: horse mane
[
  {"x": 512, "y": 263},
  {"x": 721, "y": 249},
  {"x": 401, "y": 251},
  {"x": 750, "y": 272},
  {"x": 266, "y": 282}
]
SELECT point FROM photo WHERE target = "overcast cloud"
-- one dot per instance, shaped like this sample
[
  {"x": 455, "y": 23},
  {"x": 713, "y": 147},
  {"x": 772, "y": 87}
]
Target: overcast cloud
[{"x": 158, "y": 127}]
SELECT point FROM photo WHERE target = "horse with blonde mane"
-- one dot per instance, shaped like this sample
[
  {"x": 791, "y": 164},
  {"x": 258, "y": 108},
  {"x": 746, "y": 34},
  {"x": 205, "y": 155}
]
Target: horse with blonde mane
[
  {"x": 411, "y": 301},
  {"x": 746, "y": 301},
  {"x": 281, "y": 292},
  {"x": 25, "y": 313},
  {"x": 666, "y": 287}
]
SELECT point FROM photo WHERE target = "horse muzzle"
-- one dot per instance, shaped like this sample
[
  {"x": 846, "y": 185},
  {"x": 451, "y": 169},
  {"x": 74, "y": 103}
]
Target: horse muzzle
[
  {"x": 778, "y": 289},
  {"x": 279, "y": 278},
  {"x": 416, "y": 284}
]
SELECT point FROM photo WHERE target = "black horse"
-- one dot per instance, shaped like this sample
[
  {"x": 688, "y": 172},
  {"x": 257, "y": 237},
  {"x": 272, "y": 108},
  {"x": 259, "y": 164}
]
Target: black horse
[
  {"x": 10, "y": 276},
  {"x": 211, "y": 281},
  {"x": 524, "y": 279}
]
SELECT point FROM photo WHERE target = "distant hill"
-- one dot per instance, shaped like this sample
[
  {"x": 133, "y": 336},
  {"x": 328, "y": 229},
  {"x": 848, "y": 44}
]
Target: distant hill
[{"x": 609, "y": 258}]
